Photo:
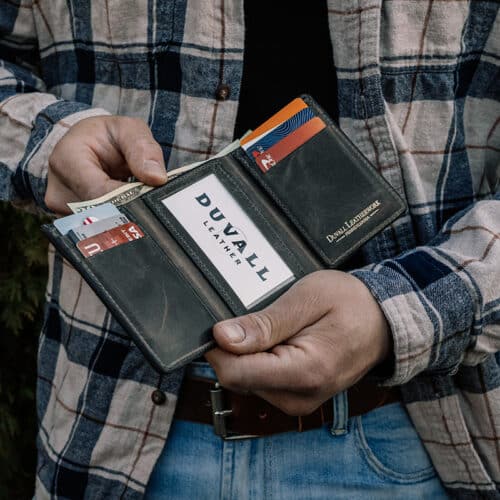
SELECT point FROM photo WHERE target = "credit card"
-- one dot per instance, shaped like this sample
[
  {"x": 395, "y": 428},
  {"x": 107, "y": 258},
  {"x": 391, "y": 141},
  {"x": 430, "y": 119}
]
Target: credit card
[
  {"x": 277, "y": 134},
  {"x": 65, "y": 224},
  {"x": 87, "y": 230},
  {"x": 282, "y": 115},
  {"x": 282, "y": 149},
  {"x": 109, "y": 239}
]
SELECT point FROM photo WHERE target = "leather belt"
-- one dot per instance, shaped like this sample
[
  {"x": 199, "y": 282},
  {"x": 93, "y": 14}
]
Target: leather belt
[{"x": 238, "y": 416}]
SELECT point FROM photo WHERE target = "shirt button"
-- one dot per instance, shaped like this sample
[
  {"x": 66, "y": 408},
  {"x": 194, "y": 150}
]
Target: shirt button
[
  {"x": 158, "y": 397},
  {"x": 222, "y": 92}
]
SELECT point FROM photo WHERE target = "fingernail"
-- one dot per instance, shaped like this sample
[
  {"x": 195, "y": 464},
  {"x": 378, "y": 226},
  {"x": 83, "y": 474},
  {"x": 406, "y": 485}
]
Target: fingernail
[{"x": 233, "y": 333}]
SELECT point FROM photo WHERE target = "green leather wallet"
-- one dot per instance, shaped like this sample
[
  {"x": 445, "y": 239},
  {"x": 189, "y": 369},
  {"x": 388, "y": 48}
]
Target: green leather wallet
[{"x": 228, "y": 238}]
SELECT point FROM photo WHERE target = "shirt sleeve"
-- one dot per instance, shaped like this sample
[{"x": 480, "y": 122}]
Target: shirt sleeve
[
  {"x": 32, "y": 120},
  {"x": 442, "y": 300}
]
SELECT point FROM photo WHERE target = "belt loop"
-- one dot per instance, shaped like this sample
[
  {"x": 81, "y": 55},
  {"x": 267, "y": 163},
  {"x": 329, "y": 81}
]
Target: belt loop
[{"x": 340, "y": 414}]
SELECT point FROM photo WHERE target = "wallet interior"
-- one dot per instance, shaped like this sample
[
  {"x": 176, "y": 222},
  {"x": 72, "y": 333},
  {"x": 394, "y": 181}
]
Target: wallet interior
[{"x": 256, "y": 234}]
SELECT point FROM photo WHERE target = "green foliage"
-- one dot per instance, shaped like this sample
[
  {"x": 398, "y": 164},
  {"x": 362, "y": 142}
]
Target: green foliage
[{"x": 23, "y": 274}]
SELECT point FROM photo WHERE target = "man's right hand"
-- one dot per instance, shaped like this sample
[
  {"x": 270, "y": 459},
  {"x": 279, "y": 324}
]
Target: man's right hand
[{"x": 98, "y": 155}]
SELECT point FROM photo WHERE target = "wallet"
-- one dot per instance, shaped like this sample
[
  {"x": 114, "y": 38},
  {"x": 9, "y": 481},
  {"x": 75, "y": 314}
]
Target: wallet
[{"x": 232, "y": 235}]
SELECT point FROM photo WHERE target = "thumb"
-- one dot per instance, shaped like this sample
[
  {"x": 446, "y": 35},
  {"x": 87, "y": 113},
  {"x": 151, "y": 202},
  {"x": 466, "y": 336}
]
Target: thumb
[
  {"x": 255, "y": 332},
  {"x": 141, "y": 151},
  {"x": 262, "y": 330}
]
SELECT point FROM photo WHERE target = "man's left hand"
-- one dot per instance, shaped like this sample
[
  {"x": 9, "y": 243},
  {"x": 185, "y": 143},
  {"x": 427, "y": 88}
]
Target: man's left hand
[{"x": 319, "y": 338}]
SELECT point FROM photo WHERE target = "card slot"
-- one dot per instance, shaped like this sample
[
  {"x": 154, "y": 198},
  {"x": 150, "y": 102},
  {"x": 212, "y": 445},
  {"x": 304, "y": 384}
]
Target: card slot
[
  {"x": 330, "y": 192},
  {"x": 109, "y": 251},
  {"x": 144, "y": 290},
  {"x": 145, "y": 281}
]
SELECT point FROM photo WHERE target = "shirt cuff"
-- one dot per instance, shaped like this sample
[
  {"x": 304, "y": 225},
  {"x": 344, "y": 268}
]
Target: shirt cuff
[
  {"x": 429, "y": 310},
  {"x": 49, "y": 126}
]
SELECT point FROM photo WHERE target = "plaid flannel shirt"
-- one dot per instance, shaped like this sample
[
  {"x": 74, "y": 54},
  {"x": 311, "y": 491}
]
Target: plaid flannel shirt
[{"x": 418, "y": 92}]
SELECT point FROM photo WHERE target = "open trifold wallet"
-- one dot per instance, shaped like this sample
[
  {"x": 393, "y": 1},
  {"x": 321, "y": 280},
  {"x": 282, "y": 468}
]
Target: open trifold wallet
[{"x": 228, "y": 237}]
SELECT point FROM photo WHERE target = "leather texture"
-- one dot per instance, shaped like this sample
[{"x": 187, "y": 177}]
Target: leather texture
[
  {"x": 167, "y": 294},
  {"x": 150, "y": 297},
  {"x": 324, "y": 187},
  {"x": 251, "y": 415}
]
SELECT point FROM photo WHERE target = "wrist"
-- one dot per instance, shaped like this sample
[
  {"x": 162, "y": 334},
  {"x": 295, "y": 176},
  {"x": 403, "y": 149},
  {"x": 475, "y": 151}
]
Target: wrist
[
  {"x": 62, "y": 115},
  {"x": 374, "y": 320}
]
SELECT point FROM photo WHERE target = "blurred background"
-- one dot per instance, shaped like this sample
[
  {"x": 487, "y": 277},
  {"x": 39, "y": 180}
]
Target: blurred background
[{"x": 23, "y": 275}]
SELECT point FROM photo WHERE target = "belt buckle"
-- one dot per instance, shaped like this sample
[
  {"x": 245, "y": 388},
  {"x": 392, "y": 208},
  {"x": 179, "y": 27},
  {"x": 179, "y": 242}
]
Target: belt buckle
[{"x": 220, "y": 414}]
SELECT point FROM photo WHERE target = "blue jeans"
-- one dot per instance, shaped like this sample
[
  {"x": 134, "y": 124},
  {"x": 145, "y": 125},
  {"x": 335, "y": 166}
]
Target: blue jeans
[{"x": 376, "y": 456}]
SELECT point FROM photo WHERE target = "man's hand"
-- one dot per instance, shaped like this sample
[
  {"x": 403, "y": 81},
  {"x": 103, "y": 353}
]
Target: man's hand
[
  {"x": 317, "y": 339},
  {"x": 96, "y": 155}
]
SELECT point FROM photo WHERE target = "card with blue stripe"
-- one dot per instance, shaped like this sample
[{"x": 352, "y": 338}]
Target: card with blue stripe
[{"x": 278, "y": 133}]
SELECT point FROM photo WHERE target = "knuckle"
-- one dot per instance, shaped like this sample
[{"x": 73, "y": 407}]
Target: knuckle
[
  {"x": 146, "y": 144},
  {"x": 264, "y": 325},
  {"x": 146, "y": 148}
]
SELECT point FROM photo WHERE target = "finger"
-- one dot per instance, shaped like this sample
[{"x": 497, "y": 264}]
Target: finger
[
  {"x": 285, "y": 368},
  {"x": 141, "y": 151},
  {"x": 299, "y": 307},
  {"x": 280, "y": 394},
  {"x": 286, "y": 399},
  {"x": 57, "y": 196},
  {"x": 291, "y": 403},
  {"x": 86, "y": 178}
]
